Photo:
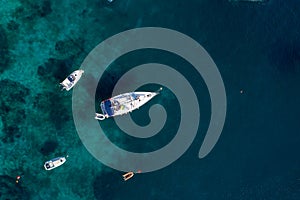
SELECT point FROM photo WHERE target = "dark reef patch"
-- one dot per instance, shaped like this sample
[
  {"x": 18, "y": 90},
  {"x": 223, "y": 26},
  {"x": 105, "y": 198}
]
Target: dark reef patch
[
  {"x": 45, "y": 8},
  {"x": 12, "y": 25},
  {"x": 12, "y": 91},
  {"x": 49, "y": 147},
  {"x": 4, "y": 53},
  {"x": 12, "y": 102},
  {"x": 68, "y": 48},
  {"x": 55, "y": 68},
  {"x": 51, "y": 104},
  {"x": 9, "y": 189},
  {"x": 30, "y": 11}
]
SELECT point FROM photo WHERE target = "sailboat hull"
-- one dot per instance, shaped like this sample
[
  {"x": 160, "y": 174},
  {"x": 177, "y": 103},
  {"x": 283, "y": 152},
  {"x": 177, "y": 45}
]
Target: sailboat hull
[{"x": 124, "y": 103}]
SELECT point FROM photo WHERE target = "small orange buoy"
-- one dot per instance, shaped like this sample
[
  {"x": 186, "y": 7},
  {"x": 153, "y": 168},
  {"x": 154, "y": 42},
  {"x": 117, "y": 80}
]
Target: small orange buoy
[{"x": 139, "y": 171}]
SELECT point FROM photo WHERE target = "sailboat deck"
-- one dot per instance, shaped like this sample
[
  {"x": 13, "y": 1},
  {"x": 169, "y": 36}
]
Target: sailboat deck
[{"x": 125, "y": 103}]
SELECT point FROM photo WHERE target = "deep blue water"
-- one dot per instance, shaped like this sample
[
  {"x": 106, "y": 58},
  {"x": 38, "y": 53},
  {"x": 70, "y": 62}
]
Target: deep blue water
[{"x": 256, "y": 47}]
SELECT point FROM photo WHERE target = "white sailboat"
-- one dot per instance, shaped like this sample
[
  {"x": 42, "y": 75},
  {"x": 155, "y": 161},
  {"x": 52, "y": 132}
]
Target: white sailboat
[{"x": 124, "y": 103}]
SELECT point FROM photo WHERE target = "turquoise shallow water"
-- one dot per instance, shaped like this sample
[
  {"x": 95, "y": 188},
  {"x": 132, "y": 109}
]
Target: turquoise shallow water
[{"x": 256, "y": 48}]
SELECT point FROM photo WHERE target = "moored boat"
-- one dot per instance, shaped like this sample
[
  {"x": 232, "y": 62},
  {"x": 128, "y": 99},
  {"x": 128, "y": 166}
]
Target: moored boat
[
  {"x": 71, "y": 80},
  {"x": 124, "y": 103},
  {"x": 55, "y": 162}
]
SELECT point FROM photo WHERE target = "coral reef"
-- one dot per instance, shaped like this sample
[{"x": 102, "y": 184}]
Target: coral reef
[
  {"x": 55, "y": 69},
  {"x": 9, "y": 189},
  {"x": 12, "y": 101},
  {"x": 49, "y": 147},
  {"x": 4, "y": 55},
  {"x": 68, "y": 48},
  {"x": 31, "y": 11}
]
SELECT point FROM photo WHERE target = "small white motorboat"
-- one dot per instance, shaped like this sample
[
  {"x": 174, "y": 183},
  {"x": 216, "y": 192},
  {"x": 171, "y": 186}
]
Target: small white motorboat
[
  {"x": 55, "y": 162},
  {"x": 124, "y": 103},
  {"x": 71, "y": 80}
]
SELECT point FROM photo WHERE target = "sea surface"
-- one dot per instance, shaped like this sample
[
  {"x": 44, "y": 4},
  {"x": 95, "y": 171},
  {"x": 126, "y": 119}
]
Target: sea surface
[{"x": 256, "y": 47}]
